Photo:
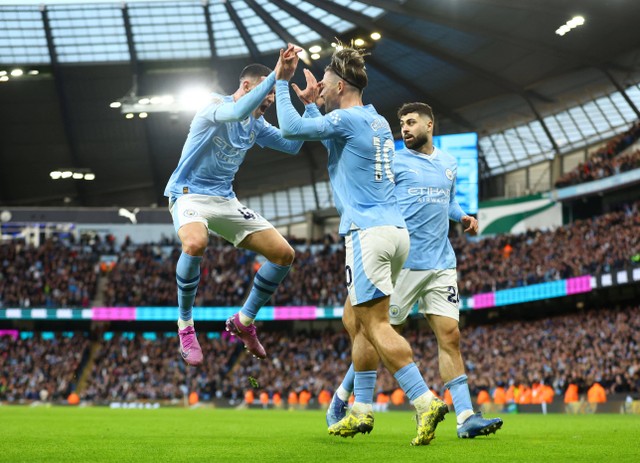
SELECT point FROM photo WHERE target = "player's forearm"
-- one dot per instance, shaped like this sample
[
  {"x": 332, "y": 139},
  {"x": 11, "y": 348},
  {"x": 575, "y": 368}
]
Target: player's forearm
[
  {"x": 455, "y": 211},
  {"x": 292, "y": 125},
  {"x": 240, "y": 110},
  {"x": 293, "y": 146},
  {"x": 312, "y": 110},
  {"x": 289, "y": 146}
]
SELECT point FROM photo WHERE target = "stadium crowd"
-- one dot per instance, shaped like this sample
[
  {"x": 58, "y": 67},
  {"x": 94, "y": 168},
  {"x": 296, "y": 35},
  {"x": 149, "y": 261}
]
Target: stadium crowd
[
  {"x": 40, "y": 369},
  {"x": 594, "y": 246},
  {"x": 53, "y": 274},
  {"x": 135, "y": 368},
  {"x": 145, "y": 275},
  {"x": 607, "y": 161},
  {"x": 581, "y": 348},
  {"x": 57, "y": 274}
]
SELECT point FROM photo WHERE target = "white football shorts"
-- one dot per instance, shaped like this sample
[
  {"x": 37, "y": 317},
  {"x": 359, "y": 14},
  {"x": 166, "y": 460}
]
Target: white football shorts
[
  {"x": 374, "y": 258},
  {"x": 226, "y": 217},
  {"x": 436, "y": 292}
]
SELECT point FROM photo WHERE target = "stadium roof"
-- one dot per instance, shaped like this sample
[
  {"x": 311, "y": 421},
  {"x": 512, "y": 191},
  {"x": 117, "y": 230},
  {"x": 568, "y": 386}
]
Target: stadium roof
[{"x": 497, "y": 67}]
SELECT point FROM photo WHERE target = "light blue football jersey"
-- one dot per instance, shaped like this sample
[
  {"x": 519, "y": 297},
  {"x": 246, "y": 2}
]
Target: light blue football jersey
[
  {"x": 361, "y": 150},
  {"x": 219, "y": 137},
  {"x": 426, "y": 192}
]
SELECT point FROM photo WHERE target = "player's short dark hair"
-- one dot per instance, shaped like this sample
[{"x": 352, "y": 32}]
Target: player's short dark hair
[
  {"x": 255, "y": 71},
  {"x": 348, "y": 64},
  {"x": 420, "y": 108}
]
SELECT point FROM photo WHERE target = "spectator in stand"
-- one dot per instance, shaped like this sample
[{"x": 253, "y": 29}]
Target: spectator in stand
[{"x": 606, "y": 161}]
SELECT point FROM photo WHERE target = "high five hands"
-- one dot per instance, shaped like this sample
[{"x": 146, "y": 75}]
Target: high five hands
[
  {"x": 312, "y": 91},
  {"x": 287, "y": 63}
]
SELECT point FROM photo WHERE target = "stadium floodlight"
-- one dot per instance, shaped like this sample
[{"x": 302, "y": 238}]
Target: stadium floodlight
[
  {"x": 376, "y": 35},
  {"x": 73, "y": 173},
  {"x": 17, "y": 72},
  {"x": 315, "y": 49},
  {"x": 570, "y": 25},
  {"x": 190, "y": 100},
  {"x": 576, "y": 21},
  {"x": 304, "y": 56},
  {"x": 315, "y": 56},
  {"x": 358, "y": 42}
]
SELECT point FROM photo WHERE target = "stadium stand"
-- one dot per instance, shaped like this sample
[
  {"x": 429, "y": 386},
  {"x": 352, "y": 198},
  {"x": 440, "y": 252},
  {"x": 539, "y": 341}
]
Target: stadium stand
[
  {"x": 35, "y": 368},
  {"x": 52, "y": 275},
  {"x": 611, "y": 159},
  {"x": 579, "y": 348},
  {"x": 65, "y": 275},
  {"x": 585, "y": 247}
]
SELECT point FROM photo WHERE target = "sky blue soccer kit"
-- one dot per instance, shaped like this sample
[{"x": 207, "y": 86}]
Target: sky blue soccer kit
[{"x": 426, "y": 193}]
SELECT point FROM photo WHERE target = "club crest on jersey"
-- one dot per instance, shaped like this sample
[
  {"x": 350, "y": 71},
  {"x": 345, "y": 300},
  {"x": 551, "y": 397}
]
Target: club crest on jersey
[
  {"x": 190, "y": 213},
  {"x": 394, "y": 311},
  {"x": 449, "y": 174}
]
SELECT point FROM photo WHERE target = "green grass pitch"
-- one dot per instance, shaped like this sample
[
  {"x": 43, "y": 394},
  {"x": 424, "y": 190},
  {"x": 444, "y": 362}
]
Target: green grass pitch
[{"x": 62, "y": 434}]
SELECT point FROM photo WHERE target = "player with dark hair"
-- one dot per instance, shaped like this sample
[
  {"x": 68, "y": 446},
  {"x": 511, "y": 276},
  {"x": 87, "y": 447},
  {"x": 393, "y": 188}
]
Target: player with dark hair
[
  {"x": 201, "y": 199},
  {"x": 425, "y": 187},
  {"x": 360, "y": 146}
]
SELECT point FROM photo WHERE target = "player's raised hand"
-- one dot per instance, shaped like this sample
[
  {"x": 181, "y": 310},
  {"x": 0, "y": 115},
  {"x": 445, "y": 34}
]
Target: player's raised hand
[
  {"x": 287, "y": 63},
  {"x": 470, "y": 223},
  {"x": 311, "y": 92}
]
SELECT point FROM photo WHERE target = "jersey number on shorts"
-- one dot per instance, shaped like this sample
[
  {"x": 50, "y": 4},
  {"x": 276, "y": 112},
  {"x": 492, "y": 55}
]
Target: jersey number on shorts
[
  {"x": 348, "y": 275},
  {"x": 454, "y": 298},
  {"x": 384, "y": 153},
  {"x": 247, "y": 213}
]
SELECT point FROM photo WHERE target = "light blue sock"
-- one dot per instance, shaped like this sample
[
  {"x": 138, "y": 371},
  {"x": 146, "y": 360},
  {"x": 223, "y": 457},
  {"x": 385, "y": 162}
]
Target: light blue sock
[
  {"x": 187, "y": 277},
  {"x": 349, "y": 379},
  {"x": 460, "y": 394},
  {"x": 411, "y": 381},
  {"x": 364, "y": 385},
  {"x": 346, "y": 387},
  {"x": 265, "y": 284}
]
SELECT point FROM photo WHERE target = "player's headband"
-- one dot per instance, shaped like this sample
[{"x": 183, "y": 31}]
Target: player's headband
[{"x": 345, "y": 79}]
